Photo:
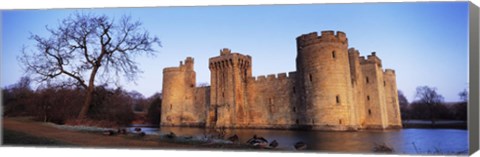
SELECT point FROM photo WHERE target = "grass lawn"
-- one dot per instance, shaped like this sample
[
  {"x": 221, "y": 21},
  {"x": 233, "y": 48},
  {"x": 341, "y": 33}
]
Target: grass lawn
[{"x": 14, "y": 138}]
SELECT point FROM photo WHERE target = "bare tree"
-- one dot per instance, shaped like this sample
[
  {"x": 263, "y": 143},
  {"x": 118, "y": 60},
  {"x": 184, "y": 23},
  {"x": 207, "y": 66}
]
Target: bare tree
[
  {"x": 460, "y": 109},
  {"x": 428, "y": 96},
  {"x": 15, "y": 98},
  {"x": 464, "y": 95},
  {"x": 86, "y": 49},
  {"x": 403, "y": 102}
]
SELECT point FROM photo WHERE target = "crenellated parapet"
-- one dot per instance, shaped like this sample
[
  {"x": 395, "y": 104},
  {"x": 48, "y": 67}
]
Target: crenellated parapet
[
  {"x": 273, "y": 77},
  {"x": 371, "y": 59},
  {"x": 325, "y": 37},
  {"x": 353, "y": 51},
  {"x": 228, "y": 59},
  {"x": 171, "y": 69},
  {"x": 188, "y": 66},
  {"x": 389, "y": 71}
]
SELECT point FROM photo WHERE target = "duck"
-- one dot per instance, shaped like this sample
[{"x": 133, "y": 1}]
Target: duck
[
  {"x": 108, "y": 132},
  {"x": 273, "y": 144},
  {"x": 138, "y": 129},
  {"x": 233, "y": 138},
  {"x": 258, "y": 141},
  {"x": 300, "y": 146},
  {"x": 170, "y": 135}
]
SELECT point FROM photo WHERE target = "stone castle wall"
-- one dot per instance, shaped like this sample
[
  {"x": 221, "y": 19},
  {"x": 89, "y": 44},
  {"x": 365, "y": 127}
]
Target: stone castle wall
[
  {"x": 391, "y": 95},
  {"x": 272, "y": 100},
  {"x": 178, "y": 103},
  {"x": 358, "y": 84},
  {"x": 201, "y": 104},
  {"x": 334, "y": 88},
  {"x": 374, "y": 91},
  {"x": 228, "y": 99},
  {"x": 323, "y": 66}
]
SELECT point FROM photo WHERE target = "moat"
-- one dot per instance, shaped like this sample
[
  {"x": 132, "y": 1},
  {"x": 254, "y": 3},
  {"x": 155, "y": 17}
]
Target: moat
[{"x": 403, "y": 141}]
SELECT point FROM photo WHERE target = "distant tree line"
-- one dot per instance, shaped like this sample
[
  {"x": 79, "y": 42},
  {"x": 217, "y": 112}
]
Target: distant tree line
[
  {"x": 61, "y": 105},
  {"x": 430, "y": 105}
]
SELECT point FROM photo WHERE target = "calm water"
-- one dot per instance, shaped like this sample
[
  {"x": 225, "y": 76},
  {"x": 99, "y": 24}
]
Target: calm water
[{"x": 410, "y": 141}]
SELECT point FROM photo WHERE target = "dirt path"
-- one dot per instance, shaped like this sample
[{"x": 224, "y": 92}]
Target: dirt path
[{"x": 84, "y": 139}]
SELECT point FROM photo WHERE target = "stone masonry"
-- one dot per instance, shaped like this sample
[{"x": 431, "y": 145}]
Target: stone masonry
[{"x": 333, "y": 88}]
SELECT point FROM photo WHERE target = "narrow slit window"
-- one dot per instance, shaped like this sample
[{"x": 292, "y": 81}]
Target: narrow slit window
[
  {"x": 333, "y": 54},
  {"x": 384, "y": 83},
  {"x": 245, "y": 74},
  {"x": 366, "y": 79},
  {"x": 170, "y": 106},
  {"x": 340, "y": 121},
  {"x": 338, "y": 99},
  {"x": 311, "y": 78},
  {"x": 369, "y": 112},
  {"x": 368, "y": 97}
]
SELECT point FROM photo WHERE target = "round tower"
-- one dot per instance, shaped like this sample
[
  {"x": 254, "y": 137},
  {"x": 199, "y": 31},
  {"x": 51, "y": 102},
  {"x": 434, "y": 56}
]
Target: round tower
[
  {"x": 391, "y": 98},
  {"x": 325, "y": 81},
  {"x": 178, "y": 94}
]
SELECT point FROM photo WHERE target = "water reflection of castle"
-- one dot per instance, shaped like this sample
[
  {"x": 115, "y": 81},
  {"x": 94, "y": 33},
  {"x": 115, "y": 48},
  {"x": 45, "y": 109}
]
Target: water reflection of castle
[{"x": 334, "y": 88}]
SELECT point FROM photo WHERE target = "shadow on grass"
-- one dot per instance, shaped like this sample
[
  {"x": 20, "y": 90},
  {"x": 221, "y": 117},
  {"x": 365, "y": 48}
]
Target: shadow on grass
[{"x": 14, "y": 138}]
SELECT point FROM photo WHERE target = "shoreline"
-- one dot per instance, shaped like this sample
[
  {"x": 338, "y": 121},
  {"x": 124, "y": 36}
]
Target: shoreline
[
  {"x": 32, "y": 133},
  {"x": 441, "y": 124}
]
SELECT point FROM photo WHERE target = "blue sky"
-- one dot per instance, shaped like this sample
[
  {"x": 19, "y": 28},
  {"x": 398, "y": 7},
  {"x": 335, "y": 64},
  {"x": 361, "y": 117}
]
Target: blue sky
[{"x": 426, "y": 43}]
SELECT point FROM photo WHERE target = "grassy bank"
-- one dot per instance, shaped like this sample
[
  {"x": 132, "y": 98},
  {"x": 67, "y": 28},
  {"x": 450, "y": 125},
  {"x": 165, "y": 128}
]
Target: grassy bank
[
  {"x": 25, "y": 132},
  {"x": 14, "y": 138},
  {"x": 442, "y": 124}
]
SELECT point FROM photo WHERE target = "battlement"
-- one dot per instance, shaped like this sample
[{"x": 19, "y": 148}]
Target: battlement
[
  {"x": 225, "y": 51},
  {"x": 292, "y": 74},
  {"x": 353, "y": 51},
  {"x": 371, "y": 59},
  {"x": 171, "y": 69},
  {"x": 187, "y": 64},
  {"x": 273, "y": 77},
  {"x": 188, "y": 60},
  {"x": 325, "y": 37},
  {"x": 389, "y": 71},
  {"x": 228, "y": 58}
]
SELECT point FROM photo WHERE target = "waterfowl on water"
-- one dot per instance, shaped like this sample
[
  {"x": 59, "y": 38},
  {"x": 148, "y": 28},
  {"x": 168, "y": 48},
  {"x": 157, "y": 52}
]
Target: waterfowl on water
[{"x": 300, "y": 146}]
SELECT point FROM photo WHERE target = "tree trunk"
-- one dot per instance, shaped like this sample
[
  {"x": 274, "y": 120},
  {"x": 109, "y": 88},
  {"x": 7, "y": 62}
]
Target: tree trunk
[{"x": 86, "y": 104}]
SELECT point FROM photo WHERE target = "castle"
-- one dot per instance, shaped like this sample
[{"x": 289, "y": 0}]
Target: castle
[{"x": 333, "y": 88}]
